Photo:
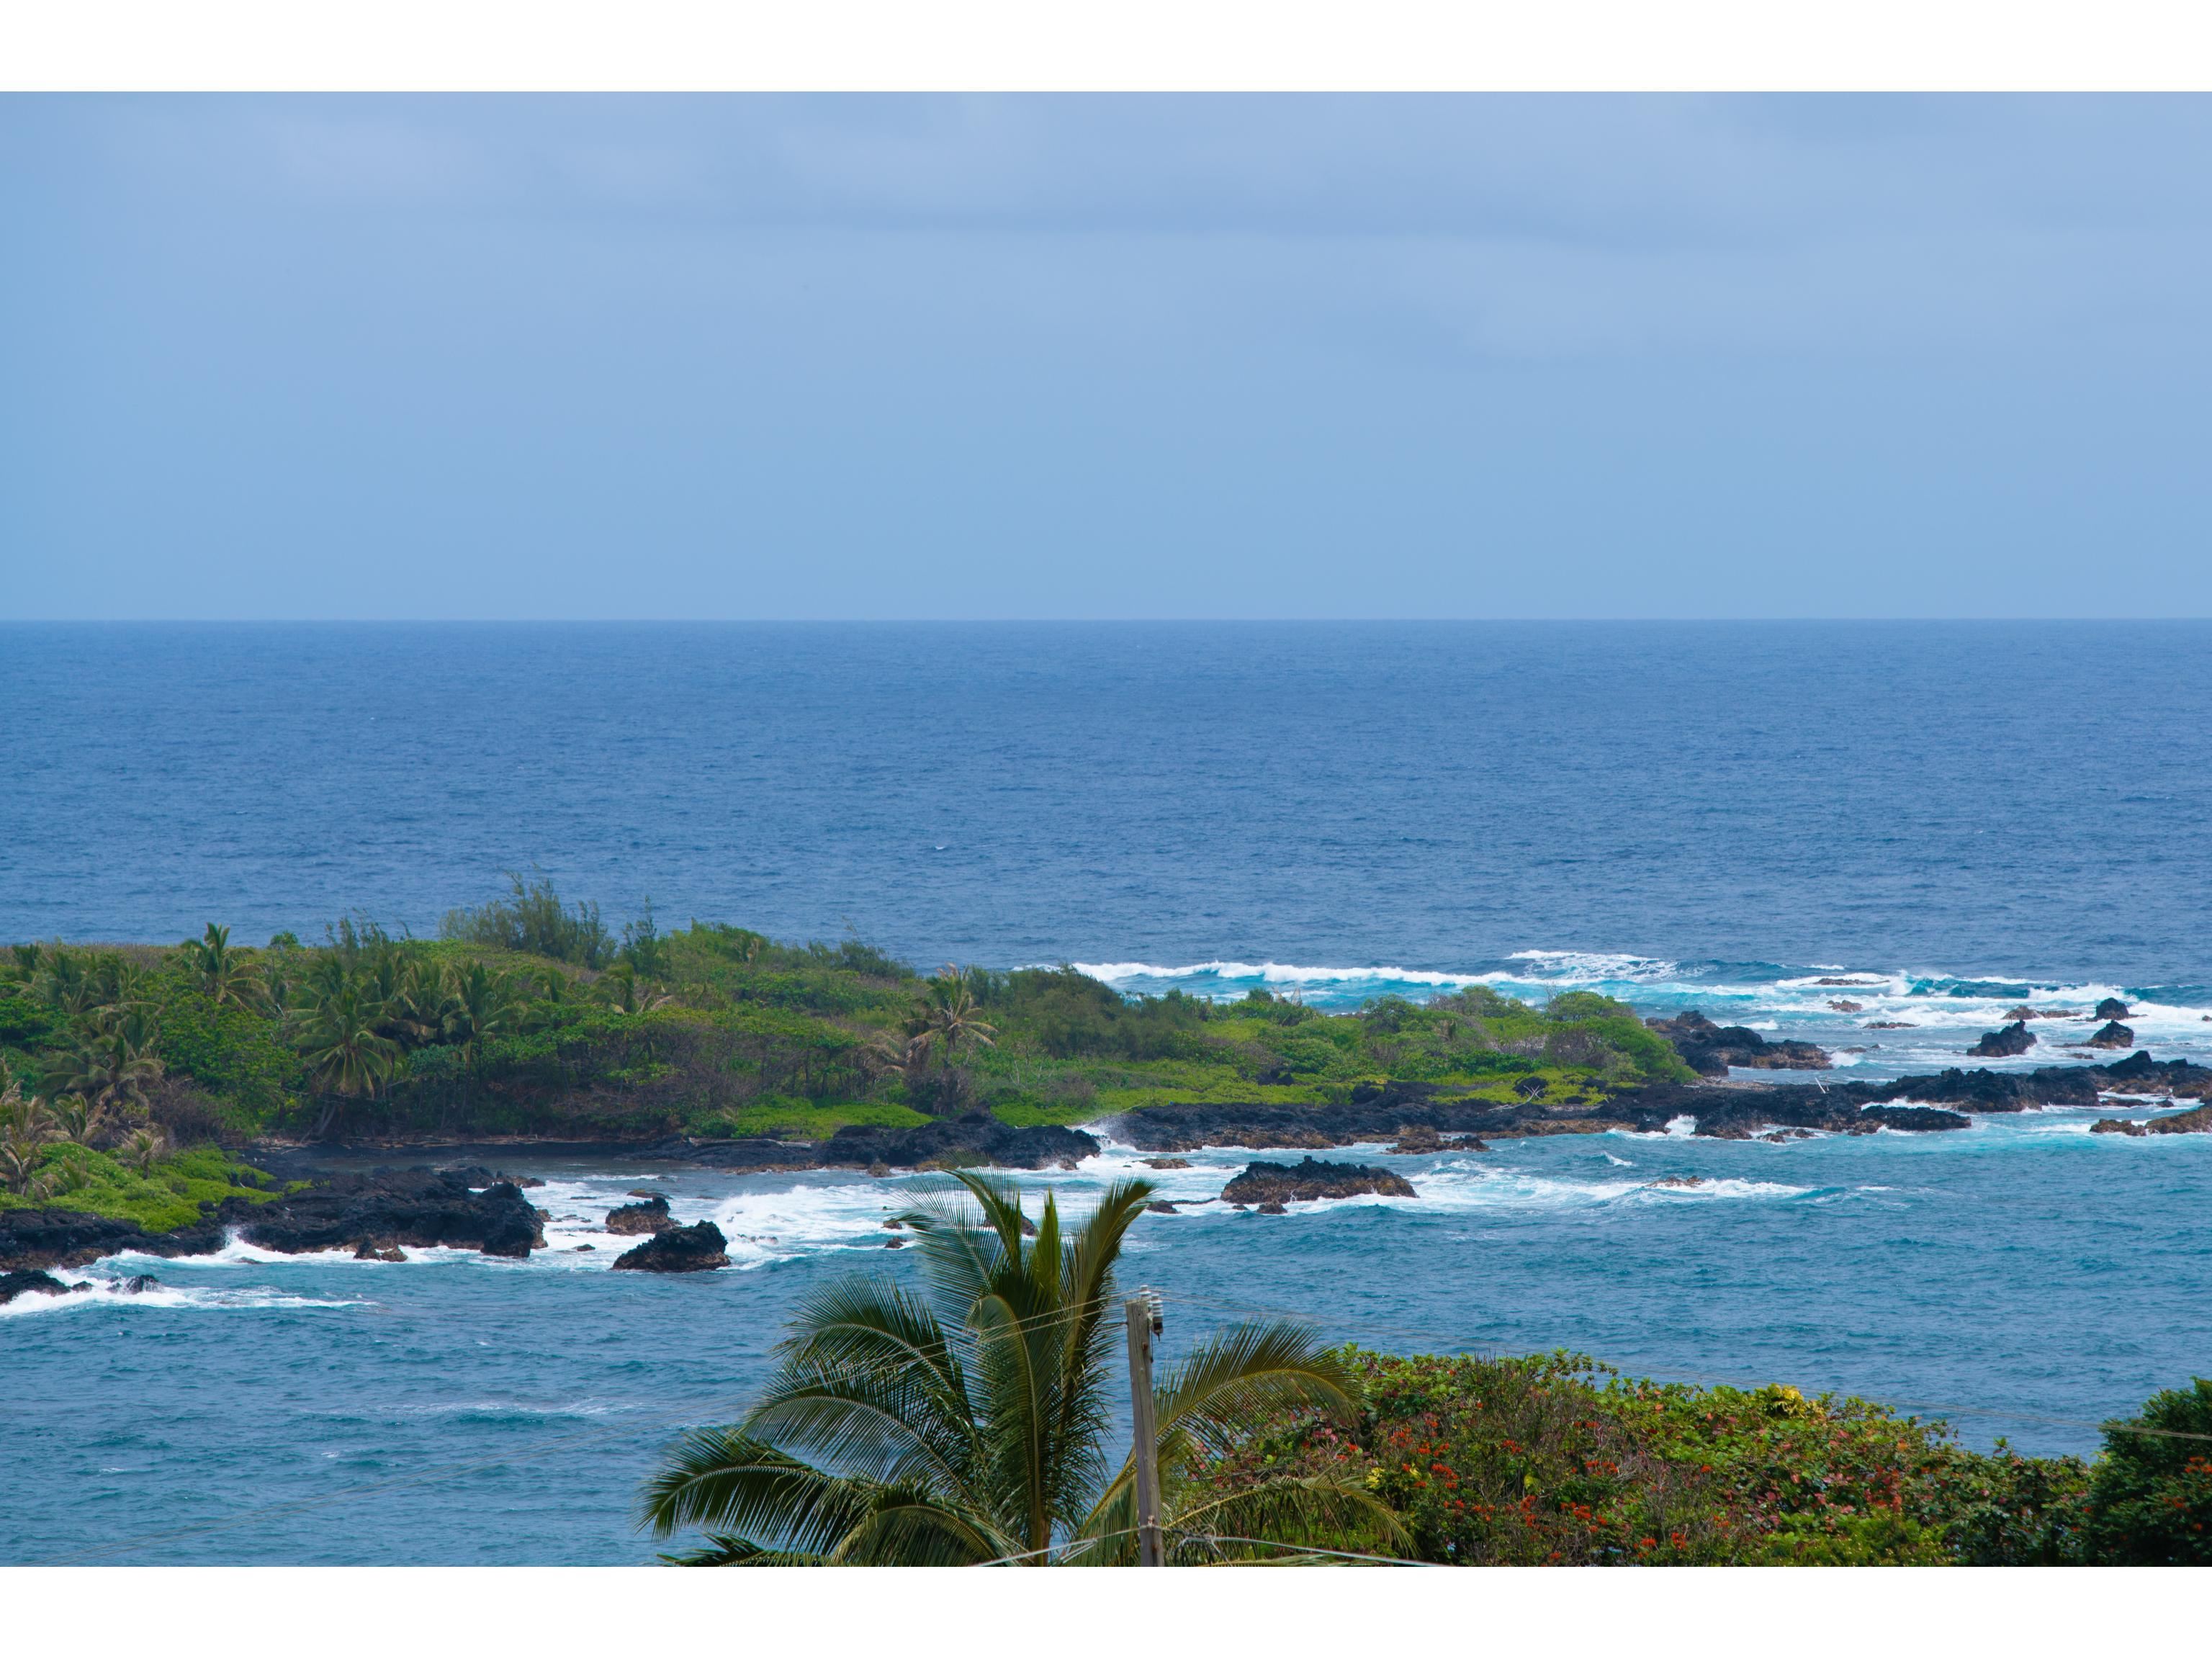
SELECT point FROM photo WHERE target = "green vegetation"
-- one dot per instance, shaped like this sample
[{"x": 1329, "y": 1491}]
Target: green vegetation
[
  {"x": 967, "y": 1424},
  {"x": 47, "y": 1158},
  {"x": 531, "y": 1016},
  {"x": 1554, "y": 1459}
]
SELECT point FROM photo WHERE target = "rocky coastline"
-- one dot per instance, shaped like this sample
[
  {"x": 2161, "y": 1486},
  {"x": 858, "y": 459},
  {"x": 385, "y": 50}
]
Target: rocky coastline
[
  {"x": 1728, "y": 1111},
  {"x": 472, "y": 1206},
  {"x": 468, "y": 1209}
]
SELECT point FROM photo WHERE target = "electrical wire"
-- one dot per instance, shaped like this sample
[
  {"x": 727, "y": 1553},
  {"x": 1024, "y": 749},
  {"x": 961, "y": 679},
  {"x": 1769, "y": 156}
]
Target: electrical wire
[
  {"x": 1302, "y": 1549},
  {"x": 1707, "y": 1379}
]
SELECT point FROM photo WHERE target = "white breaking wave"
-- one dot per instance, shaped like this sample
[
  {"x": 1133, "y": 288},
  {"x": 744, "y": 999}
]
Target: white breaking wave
[
  {"x": 1592, "y": 967},
  {"x": 1272, "y": 973},
  {"x": 105, "y": 1291},
  {"x": 1546, "y": 967}
]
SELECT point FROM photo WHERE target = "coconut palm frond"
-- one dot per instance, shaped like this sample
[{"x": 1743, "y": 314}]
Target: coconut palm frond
[
  {"x": 721, "y": 1481},
  {"x": 1248, "y": 1371},
  {"x": 967, "y": 1420}
]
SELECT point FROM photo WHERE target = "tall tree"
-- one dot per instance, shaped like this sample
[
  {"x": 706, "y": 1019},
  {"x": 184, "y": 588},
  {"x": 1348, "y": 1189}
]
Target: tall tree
[
  {"x": 225, "y": 975},
  {"x": 967, "y": 1422},
  {"x": 346, "y": 1056},
  {"x": 480, "y": 1005}
]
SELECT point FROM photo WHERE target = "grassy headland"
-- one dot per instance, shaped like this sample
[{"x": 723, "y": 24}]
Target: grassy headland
[{"x": 528, "y": 1017}]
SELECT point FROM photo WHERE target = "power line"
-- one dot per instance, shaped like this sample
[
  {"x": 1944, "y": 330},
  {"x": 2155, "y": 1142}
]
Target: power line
[
  {"x": 1705, "y": 1379},
  {"x": 1302, "y": 1549}
]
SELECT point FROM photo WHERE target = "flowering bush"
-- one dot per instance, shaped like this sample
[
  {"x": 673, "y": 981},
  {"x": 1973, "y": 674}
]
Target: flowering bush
[{"x": 1556, "y": 1459}]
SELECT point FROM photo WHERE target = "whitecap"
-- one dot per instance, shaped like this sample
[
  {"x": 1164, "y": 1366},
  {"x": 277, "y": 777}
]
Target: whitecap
[
  {"x": 1489, "y": 1188},
  {"x": 107, "y": 1291},
  {"x": 1270, "y": 973},
  {"x": 1593, "y": 967}
]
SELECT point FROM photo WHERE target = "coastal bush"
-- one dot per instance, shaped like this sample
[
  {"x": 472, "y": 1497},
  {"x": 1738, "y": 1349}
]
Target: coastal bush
[
  {"x": 24, "y": 1022},
  {"x": 2014, "y": 1511},
  {"x": 2150, "y": 1498},
  {"x": 1553, "y": 1459},
  {"x": 533, "y": 919},
  {"x": 1068, "y": 1015},
  {"x": 235, "y": 1052}
]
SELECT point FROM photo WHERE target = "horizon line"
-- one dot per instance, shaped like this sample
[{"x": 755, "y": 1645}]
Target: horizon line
[{"x": 1050, "y": 620}]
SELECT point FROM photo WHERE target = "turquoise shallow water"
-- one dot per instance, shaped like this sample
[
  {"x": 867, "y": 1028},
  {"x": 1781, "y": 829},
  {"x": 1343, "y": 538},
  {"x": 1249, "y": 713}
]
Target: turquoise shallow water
[{"x": 1950, "y": 819}]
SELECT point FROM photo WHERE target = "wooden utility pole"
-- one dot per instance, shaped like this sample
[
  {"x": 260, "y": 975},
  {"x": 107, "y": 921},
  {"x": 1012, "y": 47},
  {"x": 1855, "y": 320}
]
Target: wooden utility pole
[{"x": 1145, "y": 1449}]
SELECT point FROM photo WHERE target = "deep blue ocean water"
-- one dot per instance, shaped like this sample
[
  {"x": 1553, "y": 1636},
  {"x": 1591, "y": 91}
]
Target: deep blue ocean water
[{"x": 1950, "y": 818}]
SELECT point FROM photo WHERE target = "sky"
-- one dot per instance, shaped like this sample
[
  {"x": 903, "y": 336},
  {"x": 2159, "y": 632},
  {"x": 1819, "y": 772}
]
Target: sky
[{"x": 399, "y": 357}]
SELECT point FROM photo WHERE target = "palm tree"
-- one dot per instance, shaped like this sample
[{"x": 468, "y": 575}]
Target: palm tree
[
  {"x": 480, "y": 1005},
  {"x": 66, "y": 983},
  {"x": 225, "y": 975},
  {"x": 949, "y": 1014},
  {"x": 339, "y": 1043},
  {"x": 113, "y": 1066},
  {"x": 967, "y": 1424},
  {"x": 78, "y": 1119},
  {"x": 27, "y": 1128},
  {"x": 144, "y": 1150},
  {"x": 620, "y": 987}
]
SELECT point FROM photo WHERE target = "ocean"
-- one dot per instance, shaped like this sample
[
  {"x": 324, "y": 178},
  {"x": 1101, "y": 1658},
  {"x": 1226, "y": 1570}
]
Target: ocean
[{"x": 1768, "y": 822}]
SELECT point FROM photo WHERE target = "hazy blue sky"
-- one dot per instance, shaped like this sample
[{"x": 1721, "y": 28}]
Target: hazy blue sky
[{"x": 1235, "y": 357}]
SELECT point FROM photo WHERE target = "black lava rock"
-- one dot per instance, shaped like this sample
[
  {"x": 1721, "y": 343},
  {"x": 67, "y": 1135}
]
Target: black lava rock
[
  {"x": 2013, "y": 1039},
  {"x": 34, "y": 1283},
  {"x": 1708, "y": 1049},
  {"x": 649, "y": 1216},
  {"x": 407, "y": 1207},
  {"x": 977, "y": 1138},
  {"x": 2113, "y": 1035},
  {"x": 2111, "y": 1008},
  {"x": 692, "y": 1249},
  {"x": 1311, "y": 1178}
]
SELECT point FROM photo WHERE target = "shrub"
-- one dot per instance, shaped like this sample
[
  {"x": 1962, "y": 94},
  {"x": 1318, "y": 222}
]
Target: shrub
[
  {"x": 1553, "y": 1459},
  {"x": 2150, "y": 1498},
  {"x": 231, "y": 1051},
  {"x": 533, "y": 919}
]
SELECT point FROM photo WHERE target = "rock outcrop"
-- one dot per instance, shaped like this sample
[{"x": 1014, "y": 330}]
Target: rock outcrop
[
  {"x": 1708, "y": 1049},
  {"x": 978, "y": 1138},
  {"x": 422, "y": 1207},
  {"x": 2111, "y": 1008},
  {"x": 1311, "y": 1178},
  {"x": 2112, "y": 1035},
  {"x": 34, "y": 1283},
  {"x": 650, "y": 1215},
  {"x": 2003, "y": 1043},
  {"x": 696, "y": 1248},
  {"x": 69, "y": 1238},
  {"x": 2196, "y": 1121}
]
